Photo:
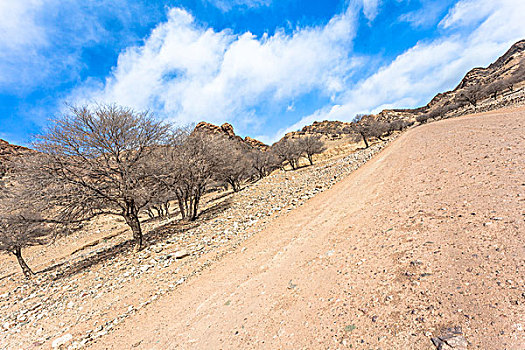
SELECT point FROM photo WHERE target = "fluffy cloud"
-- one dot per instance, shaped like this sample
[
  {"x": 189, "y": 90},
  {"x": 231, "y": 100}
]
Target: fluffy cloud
[
  {"x": 41, "y": 42},
  {"x": 188, "y": 72},
  {"x": 21, "y": 37},
  {"x": 370, "y": 9}
]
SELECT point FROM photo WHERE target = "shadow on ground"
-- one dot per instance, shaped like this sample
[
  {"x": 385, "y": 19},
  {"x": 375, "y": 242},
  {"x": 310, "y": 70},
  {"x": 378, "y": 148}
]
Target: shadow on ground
[{"x": 165, "y": 232}]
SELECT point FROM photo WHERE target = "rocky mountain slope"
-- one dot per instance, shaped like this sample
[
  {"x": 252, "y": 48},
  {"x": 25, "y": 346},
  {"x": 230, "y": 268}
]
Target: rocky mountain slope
[
  {"x": 500, "y": 84},
  {"x": 90, "y": 283}
]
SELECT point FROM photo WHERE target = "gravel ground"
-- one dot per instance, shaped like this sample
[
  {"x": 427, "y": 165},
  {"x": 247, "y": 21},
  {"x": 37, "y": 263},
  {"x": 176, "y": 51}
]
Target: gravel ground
[
  {"x": 420, "y": 248},
  {"x": 91, "y": 281}
]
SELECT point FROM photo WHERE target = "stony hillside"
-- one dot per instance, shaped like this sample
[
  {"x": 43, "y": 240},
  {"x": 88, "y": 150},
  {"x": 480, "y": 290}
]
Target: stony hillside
[
  {"x": 500, "y": 84},
  {"x": 90, "y": 281},
  {"x": 500, "y": 73}
]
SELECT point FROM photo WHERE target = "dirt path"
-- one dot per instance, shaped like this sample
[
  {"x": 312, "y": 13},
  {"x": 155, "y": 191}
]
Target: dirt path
[{"x": 429, "y": 234}]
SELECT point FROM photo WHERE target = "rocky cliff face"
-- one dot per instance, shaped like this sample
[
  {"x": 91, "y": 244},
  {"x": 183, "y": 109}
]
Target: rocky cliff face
[
  {"x": 226, "y": 129},
  {"x": 7, "y": 153}
]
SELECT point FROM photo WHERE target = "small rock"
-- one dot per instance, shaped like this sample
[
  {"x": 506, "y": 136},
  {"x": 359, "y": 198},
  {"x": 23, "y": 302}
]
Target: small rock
[
  {"x": 61, "y": 341},
  {"x": 180, "y": 254},
  {"x": 452, "y": 338},
  {"x": 145, "y": 268}
]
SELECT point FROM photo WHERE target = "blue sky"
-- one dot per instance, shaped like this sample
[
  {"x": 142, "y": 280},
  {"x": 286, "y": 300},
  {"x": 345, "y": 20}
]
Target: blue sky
[{"x": 266, "y": 66}]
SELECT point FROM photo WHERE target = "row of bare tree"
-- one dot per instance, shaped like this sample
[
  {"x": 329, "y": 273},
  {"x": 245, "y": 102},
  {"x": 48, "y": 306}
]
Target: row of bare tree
[
  {"x": 472, "y": 94},
  {"x": 113, "y": 161}
]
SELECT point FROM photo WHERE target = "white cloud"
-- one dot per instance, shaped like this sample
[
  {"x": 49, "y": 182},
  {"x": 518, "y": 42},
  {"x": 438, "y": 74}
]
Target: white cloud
[
  {"x": 18, "y": 27},
  {"x": 190, "y": 73},
  {"x": 41, "y": 41},
  {"x": 227, "y": 5},
  {"x": 371, "y": 9},
  {"x": 468, "y": 12},
  {"x": 427, "y": 15},
  {"x": 21, "y": 37},
  {"x": 414, "y": 77}
]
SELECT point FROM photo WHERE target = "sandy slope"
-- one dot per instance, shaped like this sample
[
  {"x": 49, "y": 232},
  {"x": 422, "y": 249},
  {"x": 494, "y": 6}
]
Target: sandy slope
[{"x": 429, "y": 234}]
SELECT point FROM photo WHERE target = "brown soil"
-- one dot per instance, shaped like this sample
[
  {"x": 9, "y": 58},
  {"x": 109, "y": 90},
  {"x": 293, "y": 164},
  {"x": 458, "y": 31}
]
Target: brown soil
[{"x": 428, "y": 234}]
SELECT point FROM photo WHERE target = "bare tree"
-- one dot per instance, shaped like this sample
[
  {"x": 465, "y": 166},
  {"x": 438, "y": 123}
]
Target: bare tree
[
  {"x": 472, "y": 94},
  {"x": 233, "y": 163},
  {"x": 101, "y": 156},
  {"x": 311, "y": 145},
  {"x": 23, "y": 204},
  {"x": 398, "y": 125},
  {"x": 494, "y": 88},
  {"x": 186, "y": 168},
  {"x": 365, "y": 127},
  {"x": 159, "y": 206},
  {"x": 18, "y": 231},
  {"x": 263, "y": 162},
  {"x": 422, "y": 118},
  {"x": 288, "y": 150}
]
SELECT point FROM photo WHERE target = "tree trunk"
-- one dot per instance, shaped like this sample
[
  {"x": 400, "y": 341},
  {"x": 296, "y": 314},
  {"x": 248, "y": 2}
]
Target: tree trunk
[
  {"x": 133, "y": 222},
  {"x": 151, "y": 214},
  {"x": 310, "y": 158},
  {"x": 180, "y": 201},
  {"x": 195, "y": 207},
  {"x": 25, "y": 268},
  {"x": 236, "y": 186},
  {"x": 166, "y": 207},
  {"x": 366, "y": 142}
]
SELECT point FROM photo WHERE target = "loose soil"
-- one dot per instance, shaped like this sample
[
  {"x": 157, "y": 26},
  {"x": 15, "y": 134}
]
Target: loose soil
[{"x": 427, "y": 235}]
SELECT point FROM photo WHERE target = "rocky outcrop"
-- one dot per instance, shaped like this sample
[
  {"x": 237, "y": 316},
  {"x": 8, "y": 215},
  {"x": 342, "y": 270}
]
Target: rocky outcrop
[
  {"x": 226, "y": 130},
  {"x": 7, "y": 153},
  {"x": 256, "y": 143}
]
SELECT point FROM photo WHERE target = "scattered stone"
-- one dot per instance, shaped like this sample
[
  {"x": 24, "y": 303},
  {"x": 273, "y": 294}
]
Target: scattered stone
[
  {"x": 63, "y": 340},
  {"x": 291, "y": 285},
  {"x": 350, "y": 328},
  {"x": 452, "y": 338},
  {"x": 180, "y": 254}
]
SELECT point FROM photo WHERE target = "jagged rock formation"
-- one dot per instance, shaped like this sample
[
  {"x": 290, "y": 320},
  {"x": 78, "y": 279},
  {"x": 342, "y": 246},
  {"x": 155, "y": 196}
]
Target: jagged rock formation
[
  {"x": 7, "y": 153},
  {"x": 226, "y": 129},
  {"x": 256, "y": 143}
]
